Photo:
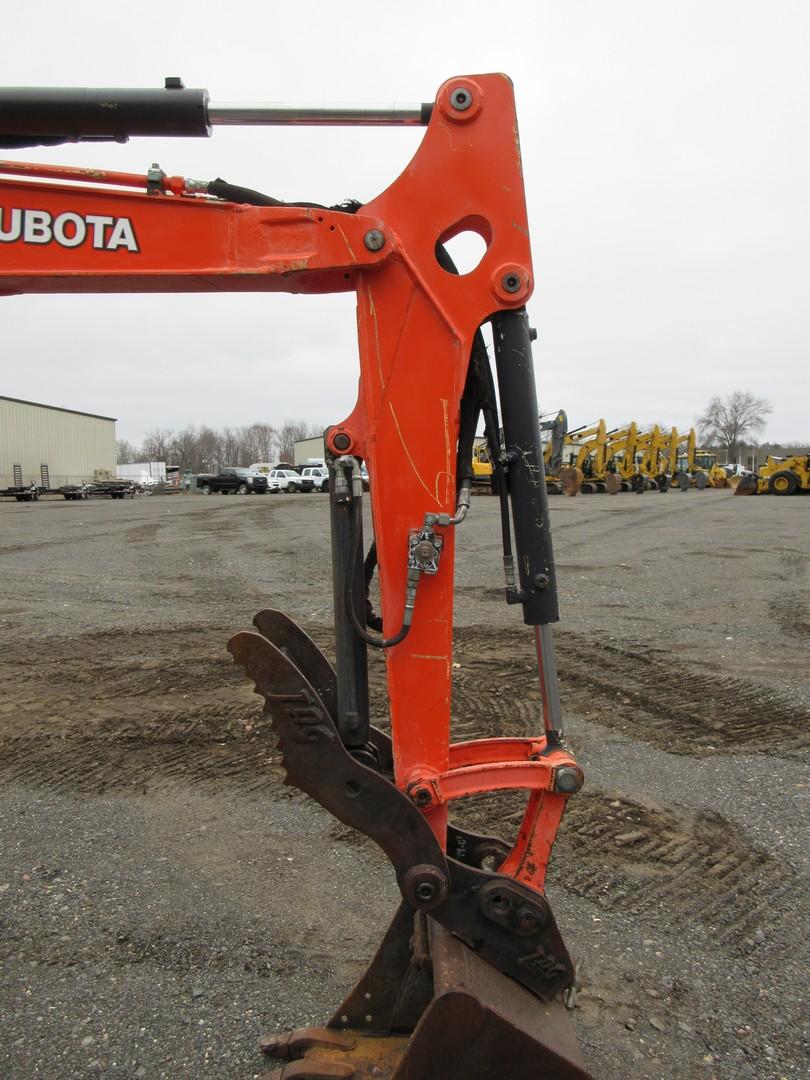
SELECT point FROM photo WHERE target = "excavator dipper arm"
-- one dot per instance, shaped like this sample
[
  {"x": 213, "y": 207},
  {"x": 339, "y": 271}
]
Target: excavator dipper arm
[{"x": 466, "y": 982}]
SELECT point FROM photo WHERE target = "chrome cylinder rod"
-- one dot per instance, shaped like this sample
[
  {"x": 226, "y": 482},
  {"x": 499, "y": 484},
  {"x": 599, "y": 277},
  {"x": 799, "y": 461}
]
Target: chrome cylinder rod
[
  {"x": 549, "y": 685},
  {"x": 236, "y": 114}
]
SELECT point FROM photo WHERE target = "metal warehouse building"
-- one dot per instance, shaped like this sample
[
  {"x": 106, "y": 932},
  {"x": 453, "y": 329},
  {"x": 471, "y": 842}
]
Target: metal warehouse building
[
  {"x": 307, "y": 449},
  {"x": 74, "y": 447}
]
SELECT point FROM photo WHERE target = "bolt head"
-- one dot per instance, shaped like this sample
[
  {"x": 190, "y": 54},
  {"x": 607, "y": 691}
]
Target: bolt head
[
  {"x": 510, "y": 282},
  {"x": 527, "y": 919},
  {"x": 567, "y": 780},
  {"x": 461, "y": 98},
  {"x": 425, "y": 886},
  {"x": 374, "y": 240}
]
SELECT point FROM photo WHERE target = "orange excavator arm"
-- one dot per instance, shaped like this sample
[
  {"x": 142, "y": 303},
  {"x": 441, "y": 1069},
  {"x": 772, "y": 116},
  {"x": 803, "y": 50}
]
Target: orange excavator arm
[{"x": 424, "y": 380}]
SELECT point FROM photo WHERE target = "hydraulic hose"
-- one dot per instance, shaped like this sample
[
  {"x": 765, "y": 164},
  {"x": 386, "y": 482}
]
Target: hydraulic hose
[{"x": 410, "y": 598}]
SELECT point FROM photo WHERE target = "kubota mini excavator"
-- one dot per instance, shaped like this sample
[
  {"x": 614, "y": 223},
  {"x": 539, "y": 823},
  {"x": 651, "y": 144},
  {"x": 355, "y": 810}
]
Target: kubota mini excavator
[{"x": 466, "y": 983}]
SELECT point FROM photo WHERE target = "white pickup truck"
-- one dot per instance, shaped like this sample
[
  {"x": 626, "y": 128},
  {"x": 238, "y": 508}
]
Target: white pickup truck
[{"x": 319, "y": 474}]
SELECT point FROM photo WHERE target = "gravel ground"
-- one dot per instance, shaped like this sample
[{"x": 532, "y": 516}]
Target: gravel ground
[{"x": 165, "y": 900}]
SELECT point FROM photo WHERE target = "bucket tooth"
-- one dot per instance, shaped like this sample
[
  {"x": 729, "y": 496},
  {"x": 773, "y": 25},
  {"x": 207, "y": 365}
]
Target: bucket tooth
[
  {"x": 293, "y": 1044},
  {"x": 313, "y": 1070}
]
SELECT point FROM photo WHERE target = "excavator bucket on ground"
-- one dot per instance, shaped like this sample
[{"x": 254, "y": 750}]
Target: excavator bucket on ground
[
  {"x": 743, "y": 485},
  {"x": 571, "y": 478},
  {"x": 448, "y": 1016},
  {"x": 467, "y": 982}
]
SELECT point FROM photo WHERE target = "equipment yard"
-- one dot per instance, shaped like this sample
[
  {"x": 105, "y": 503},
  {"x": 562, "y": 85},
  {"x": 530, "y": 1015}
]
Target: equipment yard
[{"x": 167, "y": 900}]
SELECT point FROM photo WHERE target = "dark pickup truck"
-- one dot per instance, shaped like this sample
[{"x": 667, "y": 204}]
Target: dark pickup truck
[{"x": 233, "y": 481}]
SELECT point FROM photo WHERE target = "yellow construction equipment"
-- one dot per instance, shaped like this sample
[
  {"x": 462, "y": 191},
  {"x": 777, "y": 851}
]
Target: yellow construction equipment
[
  {"x": 649, "y": 451},
  {"x": 482, "y": 463},
  {"x": 620, "y": 459},
  {"x": 585, "y": 450},
  {"x": 784, "y": 476},
  {"x": 700, "y": 466},
  {"x": 555, "y": 432},
  {"x": 677, "y": 475}
]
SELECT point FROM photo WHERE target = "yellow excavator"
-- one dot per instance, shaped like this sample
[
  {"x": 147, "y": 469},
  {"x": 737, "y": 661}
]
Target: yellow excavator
[
  {"x": 784, "y": 476},
  {"x": 553, "y": 432},
  {"x": 671, "y": 459},
  {"x": 585, "y": 454},
  {"x": 620, "y": 459},
  {"x": 650, "y": 449}
]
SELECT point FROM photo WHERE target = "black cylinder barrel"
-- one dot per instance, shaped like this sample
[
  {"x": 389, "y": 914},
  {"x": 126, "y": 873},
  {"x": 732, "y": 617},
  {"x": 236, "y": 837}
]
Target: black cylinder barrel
[
  {"x": 525, "y": 473},
  {"x": 348, "y": 586},
  {"x": 45, "y": 116}
]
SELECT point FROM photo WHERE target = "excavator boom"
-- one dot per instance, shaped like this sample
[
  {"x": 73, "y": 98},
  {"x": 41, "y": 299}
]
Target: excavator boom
[{"x": 466, "y": 983}]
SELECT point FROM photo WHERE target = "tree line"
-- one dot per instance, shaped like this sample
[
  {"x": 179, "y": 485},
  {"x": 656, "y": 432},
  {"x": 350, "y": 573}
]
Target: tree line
[
  {"x": 732, "y": 424},
  {"x": 726, "y": 424},
  {"x": 207, "y": 450}
]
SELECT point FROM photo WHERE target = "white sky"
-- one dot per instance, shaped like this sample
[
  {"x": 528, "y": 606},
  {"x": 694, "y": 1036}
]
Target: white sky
[{"x": 667, "y": 164}]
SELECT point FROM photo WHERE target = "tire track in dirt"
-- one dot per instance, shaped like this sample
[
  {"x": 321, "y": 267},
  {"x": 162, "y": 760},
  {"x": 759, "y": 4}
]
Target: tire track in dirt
[
  {"x": 113, "y": 712},
  {"x": 647, "y": 696},
  {"x": 170, "y": 709},
  {"x": 90, "y": 767},
  {"x": 638, "y": 691},
  {"x": 672, "y": 864},
  {"x": 135, "y": 712}
]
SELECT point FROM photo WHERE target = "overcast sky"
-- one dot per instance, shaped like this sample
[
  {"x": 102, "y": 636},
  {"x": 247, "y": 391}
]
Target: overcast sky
[{"x": 667, "y": 165}]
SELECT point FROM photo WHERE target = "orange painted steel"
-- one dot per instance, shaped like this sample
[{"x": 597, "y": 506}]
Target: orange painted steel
[
  {"x": 174, "y": 185},
  {"x": 416, "y": 324}
]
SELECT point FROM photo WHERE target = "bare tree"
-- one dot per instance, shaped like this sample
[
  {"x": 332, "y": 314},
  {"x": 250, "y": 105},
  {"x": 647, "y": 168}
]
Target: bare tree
[
  {"x": 727, "y": 421},
  {"x": 258, "y": 443},
  {"x": 206, "y": 450},
  {"x": 291, "y": 432},
  {"x": 208, "y": 458},
  {"x": 125, "y": 452},
  {"x": 185, "y": 450},
  {"x": 230, "y": 447},
  {"x": 264, "y": 439},
  {"x": 157, "y": 445}
]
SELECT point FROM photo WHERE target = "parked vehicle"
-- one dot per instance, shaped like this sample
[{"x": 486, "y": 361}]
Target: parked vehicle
[
  {"x": 785, "y": 476},
  {"x": 21, "y": 492},
  {"x": 264, "y": 467},
  {"x": 233, "y": 481},
  {"x": 102, "y": 489},
  {"x": 144, "y": 473},
  {"x": 318, "y": 474},
  {"x": 288, "y": 480}
]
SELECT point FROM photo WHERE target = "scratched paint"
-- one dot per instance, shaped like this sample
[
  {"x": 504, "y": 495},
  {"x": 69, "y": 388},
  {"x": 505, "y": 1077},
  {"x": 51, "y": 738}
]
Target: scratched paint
[
  {"x": 411, "y": 462},
  {"x": 377, "y": 351},
  {"x": 349, "y": 247}
]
